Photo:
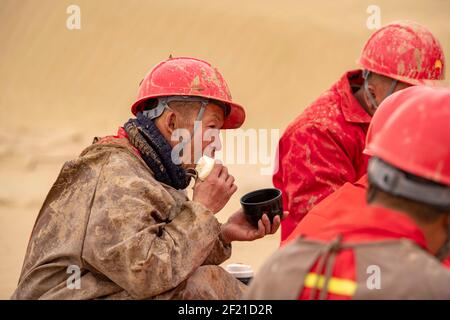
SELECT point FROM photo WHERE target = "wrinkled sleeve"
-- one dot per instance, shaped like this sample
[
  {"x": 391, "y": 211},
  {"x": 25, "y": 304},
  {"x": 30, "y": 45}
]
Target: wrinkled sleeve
[
  {"x": 313, "y": 163},
  {"x": 128, "y": 241},
  {"x": 219, "y": 253}
]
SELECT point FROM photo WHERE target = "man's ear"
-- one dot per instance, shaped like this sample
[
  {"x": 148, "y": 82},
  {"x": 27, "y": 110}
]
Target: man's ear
[
  {"x": 171, "y": 122},
  {"x": 371, "y": 88}
]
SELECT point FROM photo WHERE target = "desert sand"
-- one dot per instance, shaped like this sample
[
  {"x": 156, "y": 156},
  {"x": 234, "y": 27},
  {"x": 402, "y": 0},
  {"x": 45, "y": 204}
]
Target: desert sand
[{"x": 59, "y": 88}]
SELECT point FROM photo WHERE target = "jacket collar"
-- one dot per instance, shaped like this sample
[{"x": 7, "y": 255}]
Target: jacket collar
[
  {"x": 352, "y": 110},
  {"x": 374, "y": 223}
]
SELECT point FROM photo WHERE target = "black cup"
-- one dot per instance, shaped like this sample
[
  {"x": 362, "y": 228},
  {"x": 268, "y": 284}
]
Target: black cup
[
  {"x": 258, "y": 202},
  {"x": 242, "y": 272}
]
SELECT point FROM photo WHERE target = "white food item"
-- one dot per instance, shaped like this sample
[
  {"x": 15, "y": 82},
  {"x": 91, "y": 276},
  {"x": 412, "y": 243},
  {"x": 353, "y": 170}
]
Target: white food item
[{"x": 204, "y": 167}]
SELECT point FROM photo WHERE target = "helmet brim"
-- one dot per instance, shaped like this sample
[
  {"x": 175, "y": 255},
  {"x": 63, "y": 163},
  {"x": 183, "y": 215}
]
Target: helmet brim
[{"x": 234, "y": 120}]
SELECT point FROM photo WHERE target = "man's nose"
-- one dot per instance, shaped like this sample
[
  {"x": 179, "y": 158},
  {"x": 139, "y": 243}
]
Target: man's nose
[{"x": 218, "y": 145}]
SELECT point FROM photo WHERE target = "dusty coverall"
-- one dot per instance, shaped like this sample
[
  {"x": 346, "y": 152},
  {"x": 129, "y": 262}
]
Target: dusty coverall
[
  {"x": 322, "y": 149},
  {"x": 349, "y": 200},
  {"x": 131, "y": 236},
  {"x": 382, "y": 255}
]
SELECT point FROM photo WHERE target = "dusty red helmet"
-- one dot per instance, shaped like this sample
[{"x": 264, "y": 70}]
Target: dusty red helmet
[
  {"x": 183, "y": 76},
  {"x": 379, "y": 119},
  {"x": 416, "y": 137},
  {"x": 405, "y": 51}
]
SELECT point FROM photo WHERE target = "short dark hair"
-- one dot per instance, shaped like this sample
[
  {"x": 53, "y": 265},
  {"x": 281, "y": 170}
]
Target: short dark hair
[{"x": 421, "y": 211}]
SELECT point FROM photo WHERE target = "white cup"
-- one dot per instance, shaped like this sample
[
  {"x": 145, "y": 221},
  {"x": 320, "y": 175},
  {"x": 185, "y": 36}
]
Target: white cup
[{"x": 242, "y": 272}]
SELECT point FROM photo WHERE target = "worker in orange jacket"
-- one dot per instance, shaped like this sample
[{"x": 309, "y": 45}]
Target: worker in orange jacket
[
  {"x": 322, "y": 148},
  {"x": 390, "y": 248}
]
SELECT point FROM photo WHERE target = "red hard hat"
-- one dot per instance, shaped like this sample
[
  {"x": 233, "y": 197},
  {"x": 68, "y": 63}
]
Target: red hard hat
[
  {"x": 405, "y": 51},
  {"x": 416, "y": 137},
  {"x": 183, "y": 76},
  {"x": 379, "y": 119}
]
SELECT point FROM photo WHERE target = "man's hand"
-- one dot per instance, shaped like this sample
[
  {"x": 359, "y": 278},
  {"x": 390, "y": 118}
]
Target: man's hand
[
  {"x": 216, "y": 190},
  {"x": 237, "y": 228}
]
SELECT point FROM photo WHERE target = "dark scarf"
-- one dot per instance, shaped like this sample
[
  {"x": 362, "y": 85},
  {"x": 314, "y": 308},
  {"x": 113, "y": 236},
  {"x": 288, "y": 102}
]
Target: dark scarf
[{"x": 155, "y": 151}]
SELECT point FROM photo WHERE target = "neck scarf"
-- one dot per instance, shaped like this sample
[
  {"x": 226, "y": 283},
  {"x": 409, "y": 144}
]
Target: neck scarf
[{"x": 156, "y": 151}]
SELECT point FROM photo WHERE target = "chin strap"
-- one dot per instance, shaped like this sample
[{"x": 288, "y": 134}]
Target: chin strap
[
  {"x": 163, "y": 103},
  {"x": 192, "y": 173},
  {"x": 365, "y": 75}
]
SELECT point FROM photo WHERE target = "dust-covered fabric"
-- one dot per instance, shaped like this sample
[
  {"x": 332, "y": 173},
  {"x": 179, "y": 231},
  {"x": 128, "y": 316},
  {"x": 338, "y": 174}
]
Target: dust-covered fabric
[
  {"x": 321, "y": 150},
  {"x": 156, "y": 151},
  {"x": 362, "y": 253},
  {"x": 405, "y": 271},
  {"x": 131, "y": 236}
]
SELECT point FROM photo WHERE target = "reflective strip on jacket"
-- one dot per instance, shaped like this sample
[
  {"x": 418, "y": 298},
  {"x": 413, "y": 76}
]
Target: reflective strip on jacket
[{"x": 375, "y": 254}]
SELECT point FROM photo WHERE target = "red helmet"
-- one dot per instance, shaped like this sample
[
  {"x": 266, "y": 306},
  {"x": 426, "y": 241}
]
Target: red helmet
[
  {"x": 405, "y": 51},
  {"x": 185, "y": 76},
  {"x": 379, "y": 119},
  {"x": 416, "y": 137}
]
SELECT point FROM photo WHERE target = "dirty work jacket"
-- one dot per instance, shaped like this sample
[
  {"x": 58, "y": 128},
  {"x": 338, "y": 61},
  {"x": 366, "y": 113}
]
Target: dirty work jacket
[
  {"x": 321, "y": 150},
  {"x": 130, "y": 236}
]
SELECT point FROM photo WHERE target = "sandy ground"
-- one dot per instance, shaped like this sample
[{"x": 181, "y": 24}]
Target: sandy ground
[{"x": 59, "y": 88}]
